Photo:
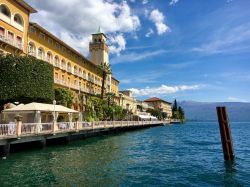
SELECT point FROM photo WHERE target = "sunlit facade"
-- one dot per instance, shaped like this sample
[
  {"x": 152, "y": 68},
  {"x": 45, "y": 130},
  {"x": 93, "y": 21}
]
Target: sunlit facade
[{"x": 71, "y": 69}]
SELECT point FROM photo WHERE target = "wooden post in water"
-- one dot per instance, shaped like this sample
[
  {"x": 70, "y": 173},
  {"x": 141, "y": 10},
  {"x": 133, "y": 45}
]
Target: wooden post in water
[{"x": 225, "y": 132}]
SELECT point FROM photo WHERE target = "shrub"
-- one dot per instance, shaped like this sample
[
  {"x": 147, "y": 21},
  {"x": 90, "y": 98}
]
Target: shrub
[{"x": 25, "y": 79}]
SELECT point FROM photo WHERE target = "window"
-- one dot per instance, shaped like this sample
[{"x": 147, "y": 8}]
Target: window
[
  {"x": 18, "y": 19},
  {"x": 32, "y": 30},
  {"x": 19, "y": 40},
  {"x": 10, "y": 35},
  {"x": 49, "y": 57},
  {"x": 2, "y": 31},
  {"x": 63, "y": 63},
  {"x": 57, "y": 45},
  {"x": 50, "y": 41},
  {"x": 63, "y": 77},
  {"x": 42, "y": 36},
  {"x": 40, "y": 53},
  {"x": 56, "y": 61},
  {"x": 32, "y": 49},
  {"x": 5, "y": 10},
  {"x": 75, "y": 70},
  {"x": 69, "y": 67},
  {"x": 56, "y": 75}
]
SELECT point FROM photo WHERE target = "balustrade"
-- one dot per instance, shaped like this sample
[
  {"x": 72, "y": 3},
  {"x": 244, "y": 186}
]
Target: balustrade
[{"x": 29, "y": 129}]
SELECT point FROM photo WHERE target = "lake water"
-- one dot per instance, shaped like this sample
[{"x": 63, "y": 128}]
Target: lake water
[{"x": 177, "y": 155}]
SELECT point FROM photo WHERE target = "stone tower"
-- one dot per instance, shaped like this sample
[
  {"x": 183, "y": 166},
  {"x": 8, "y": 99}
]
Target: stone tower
[{"x": 99, "y": 51}]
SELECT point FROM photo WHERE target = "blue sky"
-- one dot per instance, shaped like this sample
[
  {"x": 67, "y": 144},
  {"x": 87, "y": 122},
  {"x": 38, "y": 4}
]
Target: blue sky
[{"x": 184, "y": 49}]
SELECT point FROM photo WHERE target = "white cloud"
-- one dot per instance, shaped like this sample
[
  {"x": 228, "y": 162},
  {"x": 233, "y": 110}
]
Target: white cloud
[
  {"x": 144, "y": 2},
  {"x": 133, "y": 57},
  {"x": 173, "y": 2},
  {"x": 162, "y": 90},
  {"x": 227, "y": 40},
  {"x": 118, "y": 44},
  {"x": 158, "y": 18},
  {"x": 149, "y": 33},
  {"x": 235, "y": 99},
  {"x": 78, "y": 22}
]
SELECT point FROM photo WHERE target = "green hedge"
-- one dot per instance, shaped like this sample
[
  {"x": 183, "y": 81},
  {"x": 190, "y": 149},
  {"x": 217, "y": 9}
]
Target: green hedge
[{"x": 25, "y": 80}]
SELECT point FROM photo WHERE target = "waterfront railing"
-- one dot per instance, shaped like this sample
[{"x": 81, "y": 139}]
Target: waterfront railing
[{"x": 29, "y": 129}]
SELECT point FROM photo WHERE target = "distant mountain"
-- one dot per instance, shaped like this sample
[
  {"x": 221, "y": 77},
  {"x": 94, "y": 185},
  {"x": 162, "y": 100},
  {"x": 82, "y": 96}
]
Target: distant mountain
[{"x": 204, "y": 111}]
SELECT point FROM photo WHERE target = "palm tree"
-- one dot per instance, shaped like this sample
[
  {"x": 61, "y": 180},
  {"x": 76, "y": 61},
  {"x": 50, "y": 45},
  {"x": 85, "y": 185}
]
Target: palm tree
[{"x": 106, "y": 70}]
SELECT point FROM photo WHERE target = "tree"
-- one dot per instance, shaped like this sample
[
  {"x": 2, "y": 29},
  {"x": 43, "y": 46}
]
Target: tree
[
  {"x": 64, "y": 97},
  {"x": 175, "y": 106},
  {"x": 164, "y": 115},
  {"x": 25, "y": 79},
  {"x": 181, "y": 113},
  {"x": 156, "y": 112},
  {"x": 106, "y": 70}
]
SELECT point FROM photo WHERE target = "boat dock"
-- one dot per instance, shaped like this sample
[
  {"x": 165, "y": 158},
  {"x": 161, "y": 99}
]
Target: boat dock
[{"x": 41, "y": 133}]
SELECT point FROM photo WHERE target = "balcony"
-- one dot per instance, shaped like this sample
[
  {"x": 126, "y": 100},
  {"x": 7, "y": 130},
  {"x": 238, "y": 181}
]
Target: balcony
[
  {"x": 69, "y": 70},
  {"x": 32, "y": 53},
  {"x": 63, "y": 67},
  {"x": 57, "y": 64},
  {"x": 11, "y": 42},
  {"x": 74, "y": 86},
  {"x": 76, "y": 72},
  {"x": 84, "y": 76},
  {"x": 57, "y": 81}
]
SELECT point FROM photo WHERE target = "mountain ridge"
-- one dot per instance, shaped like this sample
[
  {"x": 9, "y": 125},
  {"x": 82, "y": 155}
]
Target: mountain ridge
[{"x": 206, "y": 111}]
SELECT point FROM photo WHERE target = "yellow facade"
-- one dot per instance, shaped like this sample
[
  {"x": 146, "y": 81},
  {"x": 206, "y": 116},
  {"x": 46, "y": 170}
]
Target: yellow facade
[
  {"x": 14, "y": 23},
  {"x": 71, "y": 69},
  {"x": 128, "y": 102},
  {"x": 160, "y": 104}
]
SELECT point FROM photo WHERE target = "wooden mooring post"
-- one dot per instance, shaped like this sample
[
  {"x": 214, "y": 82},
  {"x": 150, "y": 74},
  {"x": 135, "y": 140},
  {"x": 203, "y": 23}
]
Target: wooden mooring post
[{"x": 225, "y": 132}]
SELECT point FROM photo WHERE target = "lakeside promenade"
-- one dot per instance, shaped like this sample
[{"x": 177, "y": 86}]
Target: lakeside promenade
[{"x": 20, "y": 133}]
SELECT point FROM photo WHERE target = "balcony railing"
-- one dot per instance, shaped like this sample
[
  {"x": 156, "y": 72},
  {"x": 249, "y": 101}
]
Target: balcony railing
[
  {"x": 56, "y": 64},
  {"x": 63, "y": 68},
  {"x": 69, "y": 70},
  {"x": 75, "y": 72},
  {"x": 32, "y": 53},
  {"x": 11, "y": 42}
]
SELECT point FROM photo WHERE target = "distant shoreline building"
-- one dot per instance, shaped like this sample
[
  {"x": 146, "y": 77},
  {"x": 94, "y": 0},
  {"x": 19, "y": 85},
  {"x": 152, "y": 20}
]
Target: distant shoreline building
[
  {"x": 160, "y": 104},
  {"x": 71, "y": 69}
]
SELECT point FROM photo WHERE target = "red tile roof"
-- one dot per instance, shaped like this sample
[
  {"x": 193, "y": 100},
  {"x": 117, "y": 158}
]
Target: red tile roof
[{"x": 154, "y": 99}]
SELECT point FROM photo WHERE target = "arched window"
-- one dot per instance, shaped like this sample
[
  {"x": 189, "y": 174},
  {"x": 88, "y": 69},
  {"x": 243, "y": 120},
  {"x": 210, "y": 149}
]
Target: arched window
[
  {"x": 18, "y": 19},
  {"x": 40, "y": 53},
  {"x": 89, "y": 76},
  {"x": 80, "y": 72},
  {"x": 69, "y": 67},
  {"x": 5, "y": 10},
  {"x": 49, "y": 57},
  {"x": 63, "y": 64},
  {"x": 32, "y": 49},
  {"x": 56, "y": 61},
  {"x": 75, "y": 70},
  {"x": 84, "y": 74}
]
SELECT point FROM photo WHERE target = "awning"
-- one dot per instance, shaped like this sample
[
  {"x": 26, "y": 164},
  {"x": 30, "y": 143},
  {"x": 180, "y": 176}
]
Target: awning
[
  {"x": 146, "y": 117},
  {"x": 40, "y": 107}
]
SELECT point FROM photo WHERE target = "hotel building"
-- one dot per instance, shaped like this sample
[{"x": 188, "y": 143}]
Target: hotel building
[
  {"x": 160, "y": 104},
  {"x": 71, "y": 69}
]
